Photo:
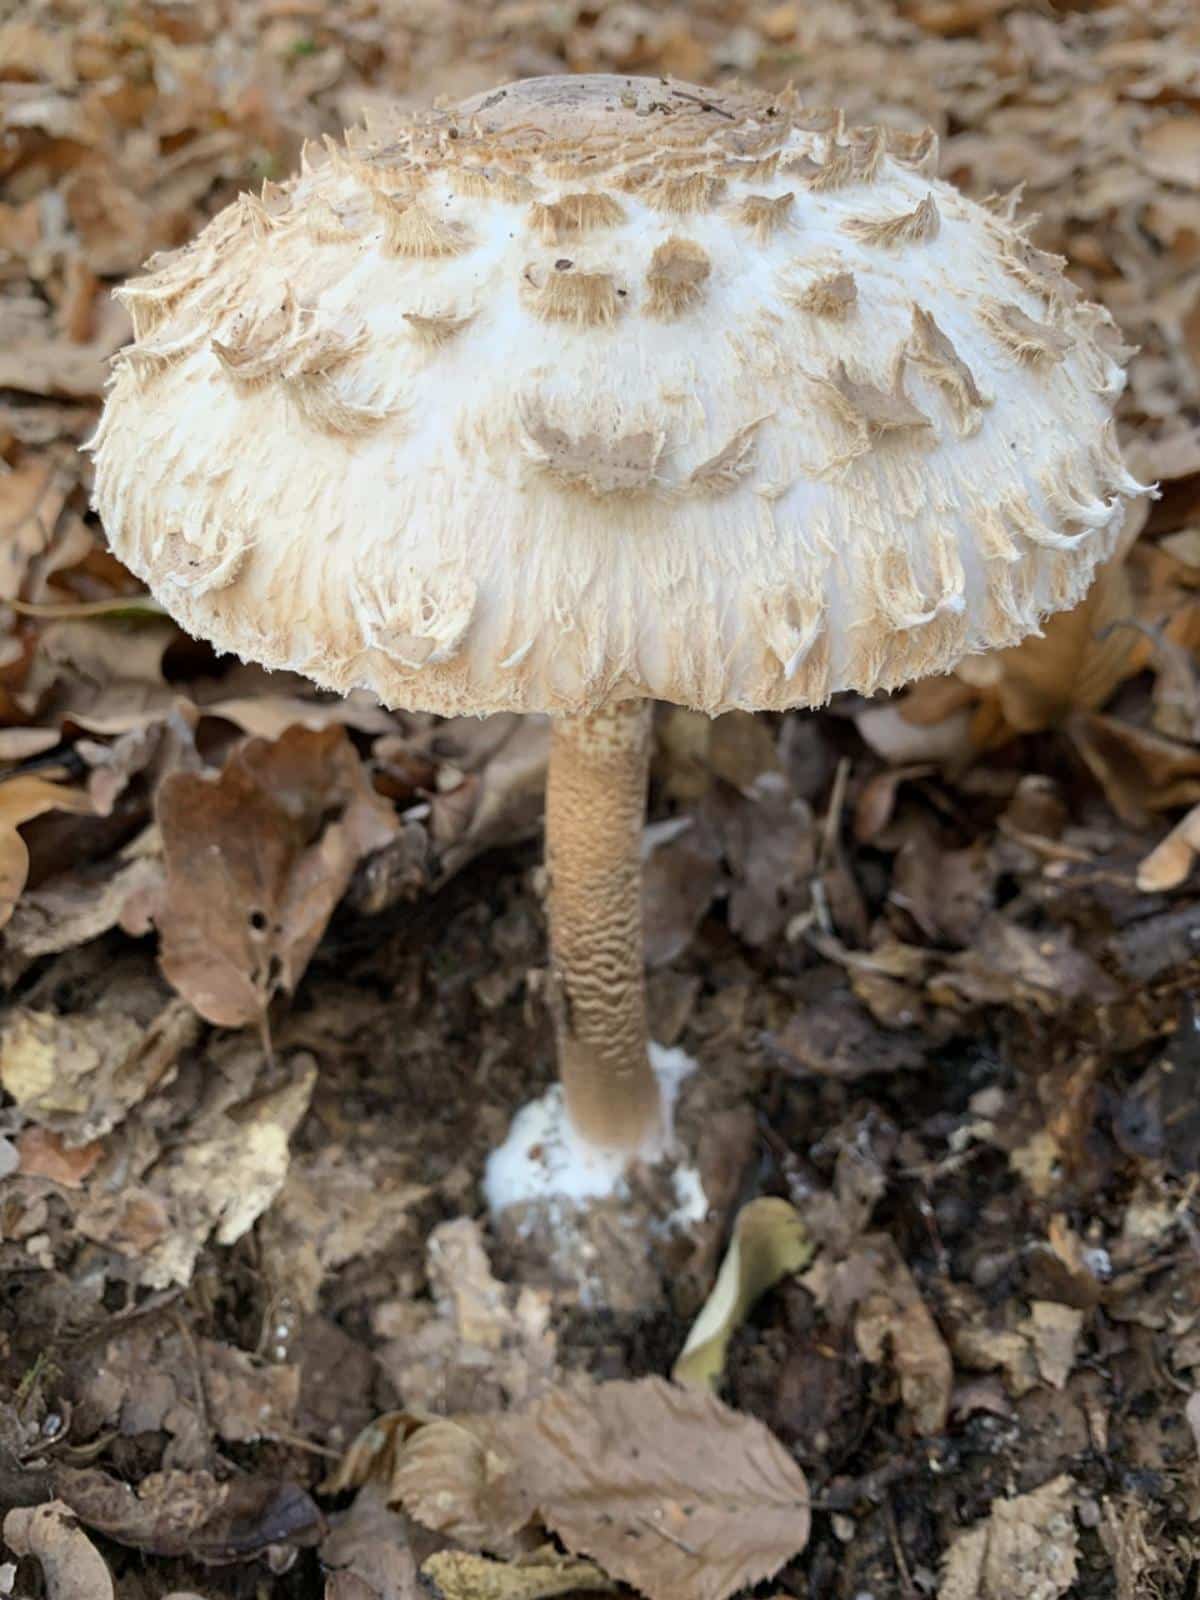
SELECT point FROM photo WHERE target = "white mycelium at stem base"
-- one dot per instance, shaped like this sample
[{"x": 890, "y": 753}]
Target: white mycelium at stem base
[{"x": 601, "y": 389}]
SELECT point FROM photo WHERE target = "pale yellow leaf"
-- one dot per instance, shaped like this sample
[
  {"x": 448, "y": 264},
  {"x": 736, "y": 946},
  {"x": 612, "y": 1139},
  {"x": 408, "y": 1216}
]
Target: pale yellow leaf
[{"x": 769, "y": 1242}]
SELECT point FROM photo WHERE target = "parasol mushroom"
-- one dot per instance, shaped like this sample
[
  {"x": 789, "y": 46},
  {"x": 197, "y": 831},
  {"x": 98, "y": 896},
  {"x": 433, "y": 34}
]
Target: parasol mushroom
[{"x": 593, "y": 391}]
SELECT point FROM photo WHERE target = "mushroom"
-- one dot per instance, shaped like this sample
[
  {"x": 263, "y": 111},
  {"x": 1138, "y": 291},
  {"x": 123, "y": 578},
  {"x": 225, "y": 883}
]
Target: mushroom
[{"x": 595, "y": 391}]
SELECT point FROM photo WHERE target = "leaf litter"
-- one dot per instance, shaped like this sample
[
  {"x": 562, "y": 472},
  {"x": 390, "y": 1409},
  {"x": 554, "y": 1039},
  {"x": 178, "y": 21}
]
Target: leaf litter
[{"x": 935, "y": 955}]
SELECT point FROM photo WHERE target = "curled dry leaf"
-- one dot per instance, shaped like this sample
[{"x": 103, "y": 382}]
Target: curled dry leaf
[
  {"x": 462, "y": 1479},
  {"x": 1139, "y": 771},
  {"x": 664, "y": 1488},
  {"x": 177, "y": 1513},
  {"x": 769, "y": 1242},
  {"x": 72, "y": 1566},
  {"x": 500, "y": 799},
  {"x": 21, "y": 800},
  {"x": 256, "y": 862},
  {"x": 1171, "y": 861},
  {"x": 70, "y": 910},
  {"x": 1025, "y": 1549}
]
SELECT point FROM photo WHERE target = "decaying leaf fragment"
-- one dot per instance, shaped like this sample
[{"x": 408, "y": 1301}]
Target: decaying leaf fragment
[
  {"x": 80, "y": 1075},
  {"x": 220, "y": 1181},
  {"x": 769, "y": 1242},
  {"x": 891, "y": 1323},
  {"x": 665, "y": 1488},
  {"x": 256, "y": 862},
  {"x": 1024, "y": 1550}
]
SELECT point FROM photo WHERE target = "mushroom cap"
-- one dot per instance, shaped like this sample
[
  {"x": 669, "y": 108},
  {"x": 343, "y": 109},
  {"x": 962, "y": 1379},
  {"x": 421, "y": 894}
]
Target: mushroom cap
[{"x": 597, "y": 387}]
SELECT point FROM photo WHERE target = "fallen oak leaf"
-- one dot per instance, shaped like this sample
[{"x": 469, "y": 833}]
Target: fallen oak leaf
[
  {"x": 769, "y": 1243},
  {"x": 256, "y": 861},
  {"x": 665, "y": 1488}
]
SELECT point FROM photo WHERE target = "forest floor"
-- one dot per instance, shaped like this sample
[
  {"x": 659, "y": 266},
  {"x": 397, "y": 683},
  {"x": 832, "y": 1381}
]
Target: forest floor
[{"x": 937, "y": 956}]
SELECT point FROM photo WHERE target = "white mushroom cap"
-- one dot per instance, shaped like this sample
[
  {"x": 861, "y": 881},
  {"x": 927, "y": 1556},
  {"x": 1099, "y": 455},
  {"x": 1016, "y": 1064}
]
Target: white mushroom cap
[{"x": 603, "y": 386}]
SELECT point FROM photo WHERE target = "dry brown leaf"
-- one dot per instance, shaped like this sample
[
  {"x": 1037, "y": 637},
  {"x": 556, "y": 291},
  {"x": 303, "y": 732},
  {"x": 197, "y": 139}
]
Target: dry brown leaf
[
  {"x": 219, "y": 1181},
  {"x": 1053, "y": 1331},
  {"x": 482, "y": 1345},
  {"x": 336, "y": 1207},
  {"x": 664, "y": 1488},
  {"x": 248, "y": 1398},
  {"x": 1011, "y": 965},
  {"x": 21, "y": 800},
  {"x": 1024, "y": 1550},
  {"x": 837, "y": 1038},
  {"x": 465, "y": 1479},
  {"x": 176, "y": 1513},
  {"x": 500, "y": 800},
  {"x": 367, "y": 1547},
  {"x": 71, "y": 909},
  {"x": 103, "y": 673},
  {"x": 256, "y": 862},
  {"x": 892, "y": 1324},
  {"x": 1139, "y": 771},
  {"x": 681, "y": 871},
  {"x": 44, "y": 1155},
  {"x": 71, "y": 1565}
]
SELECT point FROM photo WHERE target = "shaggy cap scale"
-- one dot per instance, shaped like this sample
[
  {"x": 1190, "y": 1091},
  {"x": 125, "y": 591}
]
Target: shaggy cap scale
[{"x": 605, "y": 387}]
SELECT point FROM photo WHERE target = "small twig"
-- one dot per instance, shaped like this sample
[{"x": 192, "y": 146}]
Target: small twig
[
  {"x": 872, "y": 1487},
  {"x": 833, "y": 814},
  {"x": 898, "y": 1557},
  {"x": 703, "y": 102},
  {"x": 295, "y": 1442}
]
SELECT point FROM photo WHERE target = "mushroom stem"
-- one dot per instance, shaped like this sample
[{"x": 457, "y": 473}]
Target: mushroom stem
[{"x": 595, "y": 809}]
